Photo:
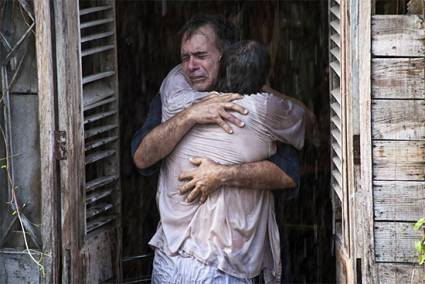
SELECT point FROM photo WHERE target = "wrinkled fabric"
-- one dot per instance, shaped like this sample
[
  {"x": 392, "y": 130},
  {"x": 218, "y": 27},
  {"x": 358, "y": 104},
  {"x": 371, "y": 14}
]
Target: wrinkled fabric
[
  {"x": 235, "y": 230},
  {"x": 179, "y": 269}
]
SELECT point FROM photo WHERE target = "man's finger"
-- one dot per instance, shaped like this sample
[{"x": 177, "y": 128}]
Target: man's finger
[
  {"x": 193, "y": 194},
  {"x": 203, "y": 198},
  {"x": 220, "y": 122},
  {"x": 209, "y": 97},
  {"x": 231, "y": 118},
  {"x": 187, "y": 187},
  {"x": 228, "y": 97},
  {"x": 235, "y": 107},
  {"x": 195, "y": 160},
  {"x": 185, "y": 176}
]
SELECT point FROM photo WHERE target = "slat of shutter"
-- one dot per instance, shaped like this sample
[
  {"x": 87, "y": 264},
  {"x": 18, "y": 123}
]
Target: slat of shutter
[
  {"x": 98, "y": 116},
  {"x": 336, "y": 39},
  {"x": 101, "y": 103},
  {"x": 335, "y": 25},
  {"x": 98, "y": 130},
  {"x": 99, "y": 182},
  {"x": 95, "y": 50},
  {"x": 94, "y": 10},
  {"x": 99, "y": 222},
  {"x": 91, "y": 24},
  {"x": 100, "y": 142},
  {"x": 96, "y": 92},
  {"x": 336, "y": 67},
  {"x": 98, "y": 209},
  {"x": 97, "y": 76},
  {"x": 98, "y": 195},
  {"x": 99, "y": 155},
  {"x": 92, "y": 37},
  {"x": 335, "y": 10}
]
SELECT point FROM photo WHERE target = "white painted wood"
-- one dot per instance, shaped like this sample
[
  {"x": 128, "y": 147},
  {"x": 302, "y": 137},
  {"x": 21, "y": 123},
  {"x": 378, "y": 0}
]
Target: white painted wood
[
  {"x": 398, "y": 35},
  {"x": 398, "y": 78},
  {"x": 399, "y": 160},
  {"x": 395, "y": 242},
  {"x": 398, "y": 119},
  {"x": 399, "y": 200}
]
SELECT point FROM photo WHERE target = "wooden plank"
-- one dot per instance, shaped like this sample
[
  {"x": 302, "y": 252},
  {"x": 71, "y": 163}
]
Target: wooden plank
[
  {"x": 399, "y": 200},
  {"x": 399, "y": 160},
  {"x": 96, "y": 36},
  {"x": 72, "y": 169},
  {"x": 390, "y": 273},
  {"x": 395, "y": 242},
  {"x": 46, "y": 112},
  {"x": 398, "y": 78},
  {"x": 398, "y": 35},
  {"x": 95, "y": 23},
  {"x": 94, "y": 50},
  {"x": 398, "y": 119},
  {"x": 91, "y": 10}
]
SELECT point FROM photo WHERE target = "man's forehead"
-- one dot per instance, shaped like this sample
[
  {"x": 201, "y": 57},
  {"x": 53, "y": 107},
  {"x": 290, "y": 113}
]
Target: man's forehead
[{"x": 205, "y": 31}]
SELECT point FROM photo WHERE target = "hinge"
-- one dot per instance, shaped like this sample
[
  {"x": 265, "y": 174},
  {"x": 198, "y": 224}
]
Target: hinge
[
  {"x": 60, "y": 145},
  {"x": 356, "y": 150}
]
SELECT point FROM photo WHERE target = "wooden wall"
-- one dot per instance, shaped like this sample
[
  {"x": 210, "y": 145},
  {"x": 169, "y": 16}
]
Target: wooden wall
[
  {"x": 398, "y": 143},
  {"x": 296, "y": 32}
]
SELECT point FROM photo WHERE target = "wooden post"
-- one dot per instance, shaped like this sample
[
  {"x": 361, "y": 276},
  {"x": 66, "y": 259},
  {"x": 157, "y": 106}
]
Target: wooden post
[
  {"x": 46, "y": 103},
  {"x": 366, "y": 197}
]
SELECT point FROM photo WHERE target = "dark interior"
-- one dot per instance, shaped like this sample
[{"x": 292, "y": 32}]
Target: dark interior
[{"x": 297, "y": 35}]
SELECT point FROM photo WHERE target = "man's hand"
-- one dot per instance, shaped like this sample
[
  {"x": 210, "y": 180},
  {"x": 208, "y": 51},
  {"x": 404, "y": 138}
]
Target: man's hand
[
  {"x": 214, "y": 109},
  {"x": 202, "y": 181}
]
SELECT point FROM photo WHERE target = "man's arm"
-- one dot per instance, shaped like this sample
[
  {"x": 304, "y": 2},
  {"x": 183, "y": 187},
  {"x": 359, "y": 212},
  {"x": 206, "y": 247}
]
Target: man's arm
[
  {"x": 162, "y": 140},
  {"x": 281, "y": 172}
]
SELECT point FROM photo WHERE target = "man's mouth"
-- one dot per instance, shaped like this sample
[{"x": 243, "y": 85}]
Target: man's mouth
[{"x": 197, "y": 79}]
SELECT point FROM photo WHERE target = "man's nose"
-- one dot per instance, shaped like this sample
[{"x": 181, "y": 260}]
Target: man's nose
[{"x": 193, "y": 64}]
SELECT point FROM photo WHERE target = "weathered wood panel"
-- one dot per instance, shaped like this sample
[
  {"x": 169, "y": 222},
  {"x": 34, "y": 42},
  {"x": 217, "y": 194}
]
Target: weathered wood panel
[
  {"x": 18, "y": 267},
  {"x": 399, "y": 160},
  {"x": 400, "y": 273},
  {"x": 398, "y": 119},
  {"x": 398, "y": 78},
  {"x": 98, "y": 257},
  {"x": 46, "y": 121},
  {"x": 399, "y": 200},
  {"x": 395, "y": 242},
  {"x": 366, "y": 194},
  {"x": 398, "y": 35}
]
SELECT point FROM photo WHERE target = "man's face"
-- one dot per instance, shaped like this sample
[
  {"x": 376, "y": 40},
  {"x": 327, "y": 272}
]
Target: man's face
[{"x": 200, "y": 58}]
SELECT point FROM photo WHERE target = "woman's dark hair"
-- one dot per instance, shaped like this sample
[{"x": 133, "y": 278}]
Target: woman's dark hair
[
  {"x": 244, "y": 67},
  {"x": 226, "y": 32}
]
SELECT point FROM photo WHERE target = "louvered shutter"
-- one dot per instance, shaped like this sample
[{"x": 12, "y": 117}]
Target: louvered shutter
[
  {"x": 100, "y": 113},
  {"x": 337, "y": 120}
]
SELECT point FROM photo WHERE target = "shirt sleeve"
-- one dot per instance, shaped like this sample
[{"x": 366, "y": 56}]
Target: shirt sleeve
[
  {"x": 153, "y": 120},
  {"x": 284, "y": 120},
  {"x": 177, "y": 94},
  {"x": 287, "y": 159}
]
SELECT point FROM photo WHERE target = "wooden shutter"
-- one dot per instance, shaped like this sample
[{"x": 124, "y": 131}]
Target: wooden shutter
[
  {"x": 100, "y": 113},
  {"x": 336, "y": 115}
]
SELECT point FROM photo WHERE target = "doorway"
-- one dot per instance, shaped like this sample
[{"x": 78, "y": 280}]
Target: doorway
[{"x": 297, "y": 34}]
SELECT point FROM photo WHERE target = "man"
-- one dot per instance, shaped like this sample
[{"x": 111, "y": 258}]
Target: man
[{"x": 201, "y": 50}]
